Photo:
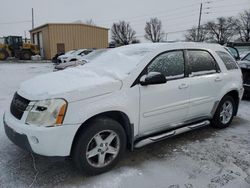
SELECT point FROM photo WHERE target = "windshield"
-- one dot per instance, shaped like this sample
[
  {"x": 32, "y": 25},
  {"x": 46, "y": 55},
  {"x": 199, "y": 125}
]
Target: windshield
[
  {"x": 70, "y": 52},
  {"x": 78, "y": 52},
  {"x": 123, "y": 59}
]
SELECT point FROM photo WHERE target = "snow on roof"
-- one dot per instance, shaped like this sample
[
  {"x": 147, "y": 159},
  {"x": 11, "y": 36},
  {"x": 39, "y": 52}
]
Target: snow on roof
[{"x": 124, "y": 59}]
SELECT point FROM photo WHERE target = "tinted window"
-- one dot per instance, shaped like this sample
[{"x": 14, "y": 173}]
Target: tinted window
[
  {"x": 228, "y": 60},
  {"x": 201, "y": 62},
  {"x": 170, "y": 64}
]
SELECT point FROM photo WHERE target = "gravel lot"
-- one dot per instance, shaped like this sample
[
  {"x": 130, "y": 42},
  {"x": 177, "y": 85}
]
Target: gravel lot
[{"x": 206, "y": 158}]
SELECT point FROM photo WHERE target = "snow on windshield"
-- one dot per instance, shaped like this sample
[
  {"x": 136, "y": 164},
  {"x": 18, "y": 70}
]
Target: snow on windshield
[
  {"x": 123, "y": 59},
  {"x": 70, "y": 52}
]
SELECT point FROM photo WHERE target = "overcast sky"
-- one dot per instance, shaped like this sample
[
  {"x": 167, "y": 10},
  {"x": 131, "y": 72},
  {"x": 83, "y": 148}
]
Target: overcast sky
[{"x": 176, "y": 15}]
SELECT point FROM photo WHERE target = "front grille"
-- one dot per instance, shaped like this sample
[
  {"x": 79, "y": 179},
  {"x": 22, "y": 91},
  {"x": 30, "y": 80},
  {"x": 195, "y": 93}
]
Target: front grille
[{"x": 18, "y": 106}]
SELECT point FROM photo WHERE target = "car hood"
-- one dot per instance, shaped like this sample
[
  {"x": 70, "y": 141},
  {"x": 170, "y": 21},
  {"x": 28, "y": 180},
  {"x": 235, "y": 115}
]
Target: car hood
[
  {"x": 66, "y": 56},
  {"x": 244, "y": 64},
  {"x": 71, "y": 84}
]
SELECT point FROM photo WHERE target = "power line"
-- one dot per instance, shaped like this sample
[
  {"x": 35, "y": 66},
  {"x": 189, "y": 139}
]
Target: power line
[
  {"x": 153, "y": 13},
  {"x": 231, "y": 5},
  {"x": 15, "y": 22},
  {"x": 167, "y": 19},
  {"x": 227, "y": 11}
]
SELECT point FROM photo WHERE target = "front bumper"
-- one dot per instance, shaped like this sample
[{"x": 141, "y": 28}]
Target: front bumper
[
  {"x": 20, "y": 140},
  {"x": 46, "y": 141}
]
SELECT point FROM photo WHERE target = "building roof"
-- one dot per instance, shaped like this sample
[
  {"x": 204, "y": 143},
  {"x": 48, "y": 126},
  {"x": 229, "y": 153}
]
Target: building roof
[{"x": 82, "y": 24}]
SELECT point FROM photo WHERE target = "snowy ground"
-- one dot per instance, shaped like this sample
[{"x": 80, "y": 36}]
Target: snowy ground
[{"x": 206, "y": 158}]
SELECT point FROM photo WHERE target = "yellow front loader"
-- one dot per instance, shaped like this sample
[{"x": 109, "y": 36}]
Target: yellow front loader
[{"x": 13, "y": 46}]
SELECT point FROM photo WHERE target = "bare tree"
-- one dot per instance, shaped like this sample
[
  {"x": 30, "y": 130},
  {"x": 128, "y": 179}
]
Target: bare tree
[
  {"x": 90, "y": 22},
  {"x": 191, "y": 34},
  {"x": 122, "y": 33},
  {"x": 243, "y": 26},
  {"x": 153, "y": 30},
  {"x": 221, "y": 30}
]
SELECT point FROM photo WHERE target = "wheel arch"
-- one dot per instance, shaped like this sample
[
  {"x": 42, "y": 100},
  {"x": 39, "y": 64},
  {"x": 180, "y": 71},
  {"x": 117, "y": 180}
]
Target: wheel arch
[
  {"x": 118, "y": 116},
  {"x": 235, "y": 95}
]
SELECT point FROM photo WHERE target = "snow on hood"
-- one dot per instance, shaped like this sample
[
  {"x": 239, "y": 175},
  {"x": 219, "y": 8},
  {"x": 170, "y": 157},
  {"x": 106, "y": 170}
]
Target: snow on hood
[
  {"x": 71, "y": 84},
  {"x": 101, "y": 76}
]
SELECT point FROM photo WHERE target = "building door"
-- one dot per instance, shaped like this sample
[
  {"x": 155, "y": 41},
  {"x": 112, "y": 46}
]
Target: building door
[
  {"x": 60, "y": 48},
  {"x": 40, "y": 41}
]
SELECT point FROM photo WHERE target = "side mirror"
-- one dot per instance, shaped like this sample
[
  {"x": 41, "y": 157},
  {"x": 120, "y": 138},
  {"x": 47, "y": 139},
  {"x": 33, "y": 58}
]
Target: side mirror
[{"x": 153, "y": 78}]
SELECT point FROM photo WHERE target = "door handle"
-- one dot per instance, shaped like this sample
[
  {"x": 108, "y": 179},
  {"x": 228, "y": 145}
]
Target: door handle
[
  {"x": 218, "y": 79},
  {"x": 183, "y": 86}
]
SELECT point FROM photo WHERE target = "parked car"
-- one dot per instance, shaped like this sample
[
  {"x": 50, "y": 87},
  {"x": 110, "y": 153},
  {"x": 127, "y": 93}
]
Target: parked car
[
  {"x": 91, "y": 56},
  {"x": 73, "y": 55},
  {"x": 128, "y": 97},
  {"x": 245, "y": 56},
  {"x": 244, "y": 63},
  {"x": 233, "y": 52},
  {"x": 55, "y": 58},
  {"x": 80, "y": 61}
]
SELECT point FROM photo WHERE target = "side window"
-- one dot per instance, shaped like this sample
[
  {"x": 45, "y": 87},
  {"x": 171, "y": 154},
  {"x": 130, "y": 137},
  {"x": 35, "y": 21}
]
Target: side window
[
  {"x": 170, "y": 64},
  {"x": 228, "y": 60},
  {"x": 201, "y": 62}
]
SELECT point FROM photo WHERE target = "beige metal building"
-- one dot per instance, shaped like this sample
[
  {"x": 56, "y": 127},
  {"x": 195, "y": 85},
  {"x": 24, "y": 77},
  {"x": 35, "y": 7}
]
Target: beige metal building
[{"x": 61, "y": 37}]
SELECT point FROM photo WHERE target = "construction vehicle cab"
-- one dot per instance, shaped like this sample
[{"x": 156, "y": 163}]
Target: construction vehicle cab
[{"x": 15, "y": 47}]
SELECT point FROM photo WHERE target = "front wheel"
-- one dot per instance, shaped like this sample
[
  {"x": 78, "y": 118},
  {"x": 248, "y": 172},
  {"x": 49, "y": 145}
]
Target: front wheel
[
  {"x": 26, "y": 55},
  {"x": 224, "y": 113},
  {"x": 3, "y": 55},
  {"x": 99, "y": 147}
]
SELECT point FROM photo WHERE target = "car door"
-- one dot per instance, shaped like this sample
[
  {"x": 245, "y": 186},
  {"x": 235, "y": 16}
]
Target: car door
[
  {"x": 165, "y": 105},
  {"x": 205, "y": 81}
]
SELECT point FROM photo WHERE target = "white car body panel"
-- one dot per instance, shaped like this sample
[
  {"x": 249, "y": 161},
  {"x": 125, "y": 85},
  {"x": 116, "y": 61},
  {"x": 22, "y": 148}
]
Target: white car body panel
[
  {"x": 159, "y": 108},
  {"x": 90, "y": 92},
  {"x": 74, "y": 55}
]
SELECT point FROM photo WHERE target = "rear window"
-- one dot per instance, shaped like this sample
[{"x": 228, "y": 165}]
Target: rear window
[
  {"x": 228, "y": 60},
  {"x": 201, "y": 62}
]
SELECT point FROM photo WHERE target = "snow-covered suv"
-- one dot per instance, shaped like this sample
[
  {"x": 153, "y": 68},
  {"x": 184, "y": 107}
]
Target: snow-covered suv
[{"x": 125, "y": 98}]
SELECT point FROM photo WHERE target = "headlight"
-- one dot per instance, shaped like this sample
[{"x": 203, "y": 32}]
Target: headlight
[{"x": 47, "y": 113}]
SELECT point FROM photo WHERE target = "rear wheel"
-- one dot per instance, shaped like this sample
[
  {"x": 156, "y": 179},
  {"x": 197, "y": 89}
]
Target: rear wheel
[
  {"x": 3, "y": 55},
  {"x": 99, "y": 147},
  {"x": 224, "y": 113}
]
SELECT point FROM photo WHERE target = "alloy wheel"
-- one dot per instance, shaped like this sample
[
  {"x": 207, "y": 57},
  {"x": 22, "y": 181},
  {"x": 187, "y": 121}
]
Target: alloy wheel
[
  {"x": 226, "y": 112},
  {"x": 103, "y": 148}
]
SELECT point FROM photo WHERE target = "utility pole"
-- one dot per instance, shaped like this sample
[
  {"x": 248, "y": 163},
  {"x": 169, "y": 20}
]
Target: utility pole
[
  {"x": 199, "y": 24},
  {"x": 25, "y": 38},
  {"x": 32, "y": 12}
]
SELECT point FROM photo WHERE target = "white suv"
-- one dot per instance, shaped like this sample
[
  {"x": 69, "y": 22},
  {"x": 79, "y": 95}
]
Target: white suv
[{"x": 126, "y": 98}]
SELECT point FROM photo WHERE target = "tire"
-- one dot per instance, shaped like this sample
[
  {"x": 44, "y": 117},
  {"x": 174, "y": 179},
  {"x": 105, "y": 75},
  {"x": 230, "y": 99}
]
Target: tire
[
  {"x": 91, "y": 149},
  {"x": 246, "y": 95},
  {"x": 26, "y": 55},
  {"x": 223, "y": 119},
  {"x": 3, "y": 55}
]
